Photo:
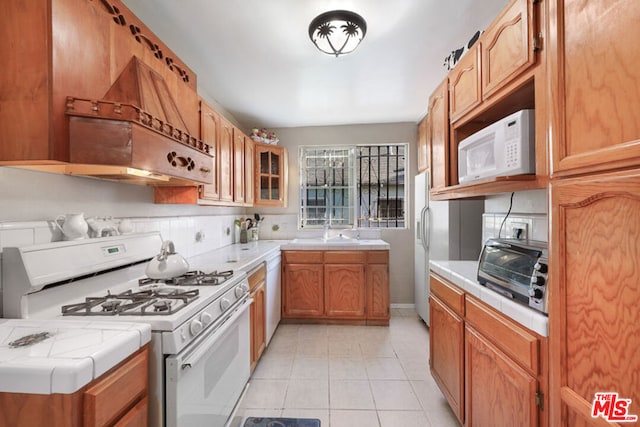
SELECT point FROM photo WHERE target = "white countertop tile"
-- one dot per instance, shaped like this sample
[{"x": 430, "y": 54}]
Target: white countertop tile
[
  {"x": 73, "y": 354},
  {"x": 464, "y": 275}
]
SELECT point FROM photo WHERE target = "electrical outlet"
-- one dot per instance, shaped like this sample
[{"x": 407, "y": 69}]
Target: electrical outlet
[{"x": 518, "y": 230}]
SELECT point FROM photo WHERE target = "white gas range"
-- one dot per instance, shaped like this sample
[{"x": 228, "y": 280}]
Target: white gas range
[{"x": 199, "y": 321}]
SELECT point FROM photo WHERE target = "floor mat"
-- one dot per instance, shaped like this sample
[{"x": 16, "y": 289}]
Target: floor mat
[{"x": 281, "y": 422}]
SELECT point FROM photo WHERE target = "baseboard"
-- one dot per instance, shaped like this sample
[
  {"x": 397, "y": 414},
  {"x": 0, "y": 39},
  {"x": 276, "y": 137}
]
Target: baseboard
[{"x": 403, "y": 306}]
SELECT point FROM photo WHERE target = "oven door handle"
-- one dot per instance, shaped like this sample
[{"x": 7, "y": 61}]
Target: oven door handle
[{"x": 193, "y": 358}]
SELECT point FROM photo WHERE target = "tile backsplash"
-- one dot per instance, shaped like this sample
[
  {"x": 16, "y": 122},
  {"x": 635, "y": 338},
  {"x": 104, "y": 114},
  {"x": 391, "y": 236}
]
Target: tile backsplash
[
  {"x": 532, "y": 226},
  {"x": 192, "y": 235}
]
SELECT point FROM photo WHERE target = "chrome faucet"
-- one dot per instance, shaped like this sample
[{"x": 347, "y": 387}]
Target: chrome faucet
[{"x": 327, "y": 226}]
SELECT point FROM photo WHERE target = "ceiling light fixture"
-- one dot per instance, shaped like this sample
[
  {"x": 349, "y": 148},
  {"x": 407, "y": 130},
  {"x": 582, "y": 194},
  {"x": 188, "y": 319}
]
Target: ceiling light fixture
[{"x": 337, "y": 32}]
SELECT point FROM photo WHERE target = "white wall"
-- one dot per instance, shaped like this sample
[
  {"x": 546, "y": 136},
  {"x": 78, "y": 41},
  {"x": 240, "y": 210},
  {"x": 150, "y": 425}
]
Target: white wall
[
  {"x": 32, "y": 196},
  {"x": 401, "y": 253}
]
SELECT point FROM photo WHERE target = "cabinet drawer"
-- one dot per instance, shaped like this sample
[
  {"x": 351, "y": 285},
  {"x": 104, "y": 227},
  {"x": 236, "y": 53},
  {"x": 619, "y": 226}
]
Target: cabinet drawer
[
  {"x": 344, "y": 257},
  {"x": 449, "y": 294},
  {"x": 257, "y": 276},
  {"x": 303, "y": 257},
  {"x": 137, "y": 416},
  {"x": 111, "y": 396},
  {"x": 514, "y": 340},
  {"x": 378, "y": 257}
]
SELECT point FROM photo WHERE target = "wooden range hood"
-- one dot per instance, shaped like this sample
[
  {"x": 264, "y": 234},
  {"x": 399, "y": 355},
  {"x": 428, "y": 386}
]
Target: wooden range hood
[{"x": 134, "y": 134}]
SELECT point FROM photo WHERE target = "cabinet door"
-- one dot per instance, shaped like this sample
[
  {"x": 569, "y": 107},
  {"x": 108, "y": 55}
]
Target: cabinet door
[
  {"x": 238, "y": 166},
  {"x": 595, "y": 274},
  {"x": 499, "y": 393},
  {"x": 378, "y": 291},
  {"x": 303, "y": 294},
  {"x": 423, "y": 145},
  {"x": 271, "y": 178},
  {"x": 595, "y": 85},
  {"x": 344, "y": 290},
  {"x": 248, "y": 171},
  {"x": 209, "y": 133},
  {"x": 258, "y": 324},
  {"x": 225, "y": 164},
  {"x": 464, "y": 85},
  {"x": 446, "y": 354},
  {"x": 507, "y": 46},
  {"x": 438, "y": 138}
]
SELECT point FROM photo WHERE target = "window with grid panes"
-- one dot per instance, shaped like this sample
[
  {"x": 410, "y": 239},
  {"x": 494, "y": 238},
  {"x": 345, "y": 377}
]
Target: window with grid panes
[
  {"x": 327, "y": 186},
  {"x": 361, "y": 186}
]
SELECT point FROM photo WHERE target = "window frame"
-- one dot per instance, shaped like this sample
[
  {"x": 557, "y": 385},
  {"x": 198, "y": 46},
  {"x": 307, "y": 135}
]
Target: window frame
[{"x": 356, "y": 218}]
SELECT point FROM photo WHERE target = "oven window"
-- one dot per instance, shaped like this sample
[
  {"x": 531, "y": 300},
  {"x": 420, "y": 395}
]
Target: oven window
[{"x": 510, "y": 266}]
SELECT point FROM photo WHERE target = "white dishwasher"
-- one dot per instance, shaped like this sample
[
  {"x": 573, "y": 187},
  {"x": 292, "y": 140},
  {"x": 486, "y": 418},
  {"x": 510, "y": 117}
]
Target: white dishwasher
[{"x": 273, "y": 294}]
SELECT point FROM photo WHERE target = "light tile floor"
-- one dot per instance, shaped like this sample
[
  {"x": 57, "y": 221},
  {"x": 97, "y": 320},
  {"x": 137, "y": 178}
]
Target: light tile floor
[{"x": 350, "y": 376}]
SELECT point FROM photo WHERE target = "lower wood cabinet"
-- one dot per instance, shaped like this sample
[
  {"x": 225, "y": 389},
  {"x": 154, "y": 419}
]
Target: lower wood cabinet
[
  {"x": 492, "y": 371},
  {"x": 344, "y": 290},
  {"x": 446, "y": 353},
  {"x": 499, "y": 393},
  {"x": 117, "y": 398},
  {"x": 336, "y": 285},
  {"x": 258, "y": 313}
]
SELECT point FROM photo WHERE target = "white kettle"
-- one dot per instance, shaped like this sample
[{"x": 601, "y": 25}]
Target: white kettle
[
  {"x": 74, "y": 227},
  {"x": 168, "y": 264}
]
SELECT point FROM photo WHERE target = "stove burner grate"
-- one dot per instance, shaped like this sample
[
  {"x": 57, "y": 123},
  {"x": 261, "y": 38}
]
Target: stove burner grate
[
  {"x": 159, "y": 301},
  {"x": 193, "y": 278}
]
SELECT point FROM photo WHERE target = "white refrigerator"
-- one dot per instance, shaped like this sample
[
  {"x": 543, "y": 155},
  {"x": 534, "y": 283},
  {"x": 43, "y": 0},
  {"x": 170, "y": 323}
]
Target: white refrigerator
[{"x": 444, "y": 230}]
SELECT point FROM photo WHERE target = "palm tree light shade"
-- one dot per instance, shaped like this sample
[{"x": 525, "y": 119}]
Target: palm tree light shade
[{"x": 337, "y": 32}]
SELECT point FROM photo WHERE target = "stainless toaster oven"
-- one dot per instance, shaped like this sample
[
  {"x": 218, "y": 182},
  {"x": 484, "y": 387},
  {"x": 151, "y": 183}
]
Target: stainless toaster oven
[{"x": 517, "y": 269}]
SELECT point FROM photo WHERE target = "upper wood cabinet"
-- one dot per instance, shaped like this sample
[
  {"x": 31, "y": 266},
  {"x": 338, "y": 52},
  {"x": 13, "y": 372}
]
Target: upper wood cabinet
[
  {"x": 271, "y": 175},
  {"x": 249, "y": 171},
  {"x": 595, "y": 83},
  {"x": 71, "y": 48},
  {"x": 438, "y": 136},
  {"x": 209, "y": 133},
  {"x": 423, "y": 145},
  {"x": 508, "y": 46},
  {"x": 238, "y": 166},
  {"x": 226, "y": 160},
  {"x": 594, "y": 317},
  {"x": 464, "y": 84}
]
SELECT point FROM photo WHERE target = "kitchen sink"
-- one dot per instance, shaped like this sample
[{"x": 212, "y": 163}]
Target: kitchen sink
[{"x": 332, "y": 240}]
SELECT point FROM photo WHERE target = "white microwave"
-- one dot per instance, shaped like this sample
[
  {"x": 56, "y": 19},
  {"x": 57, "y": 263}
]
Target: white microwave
[{"x": 504, "y": 148}]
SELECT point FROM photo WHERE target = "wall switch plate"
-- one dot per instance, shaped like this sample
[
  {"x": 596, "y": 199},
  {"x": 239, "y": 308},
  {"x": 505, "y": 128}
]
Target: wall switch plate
[{"x": 518, "y": 230}]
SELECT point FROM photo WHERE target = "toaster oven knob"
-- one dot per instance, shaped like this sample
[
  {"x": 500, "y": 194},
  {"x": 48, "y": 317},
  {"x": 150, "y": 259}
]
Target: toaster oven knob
[
  {"x": 537, "y": 280},
  {"x": 206, "y": 318},
  {"x": 195, "y": 327},
  {"x": 224, "y": 304},
  {"x": 535, "y": 293},
  {"x": 542, "y": 268}
]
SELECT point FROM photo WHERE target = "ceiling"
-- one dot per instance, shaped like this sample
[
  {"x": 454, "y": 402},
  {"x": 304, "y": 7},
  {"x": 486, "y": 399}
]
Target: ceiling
[{"x": 255, "y": 58}]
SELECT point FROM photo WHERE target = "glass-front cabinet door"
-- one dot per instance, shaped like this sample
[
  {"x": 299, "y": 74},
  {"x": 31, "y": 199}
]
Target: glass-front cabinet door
[{"x": 271, "y": 177}]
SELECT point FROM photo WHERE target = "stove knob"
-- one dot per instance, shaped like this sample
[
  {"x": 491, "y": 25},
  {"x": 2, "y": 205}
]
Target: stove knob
[
  {"x": 240, "y": 290},
  {"x": 535, "y": 293},
  {"x": 195, "y": 327},
  {"x": 224, "y": 304},
  {"x": 206, "y": 318}
]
